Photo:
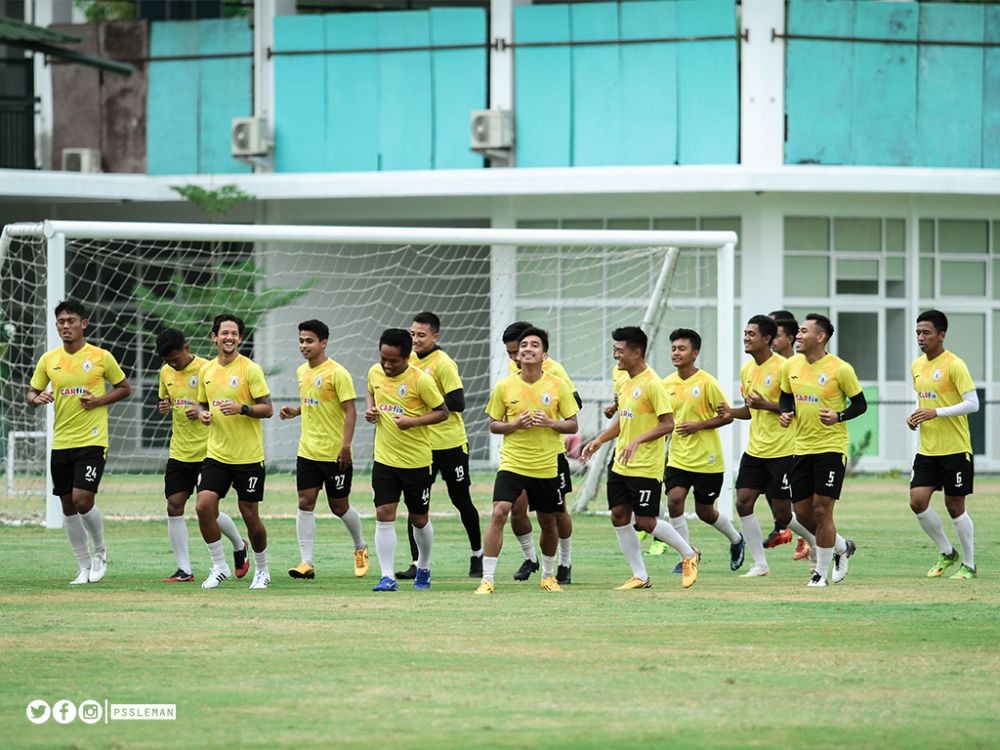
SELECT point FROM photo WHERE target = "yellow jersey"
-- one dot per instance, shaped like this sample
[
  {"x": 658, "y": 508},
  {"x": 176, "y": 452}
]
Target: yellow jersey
[
  {"x": 941, "y": 382},
  {"x": 85, "y": 371},
  {"x": 322, "y": 392},
  {"x": 827, "y": 383},
  {"x": 641, "y": 402},
  {"x": 694, "y": 400},
  {"x": 532, "y": 452},
  {"x": 768, "y": 439},
  {"x": 412, "y": 393},
  {"x": 441, "y": 367},
  {"x": 235, "y": 439},
  {"x": 188, "y": 438}
]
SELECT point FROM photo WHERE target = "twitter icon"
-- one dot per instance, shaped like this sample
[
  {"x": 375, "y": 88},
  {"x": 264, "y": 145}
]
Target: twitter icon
[{"x": 38, "y": 711}]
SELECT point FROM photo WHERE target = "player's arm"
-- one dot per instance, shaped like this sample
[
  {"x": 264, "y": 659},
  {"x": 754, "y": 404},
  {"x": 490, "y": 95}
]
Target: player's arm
[
  {"x": 455, "y": 400},
  {"x": 610, "y": 409},
  {"x": 503, "y": 427},
  {"x": 610, "y": 433},
  {"x": 664, "y": 426},
  {"x": 291, "y": 412},
  {"x": 437, "y": 414},
  {"x": 756, "y": 400},
  {"x": 350, "y": 420},
  {"x": 260, "y": 409},
  {"x": 38, "y": 397},
  {"x": 786, "y": 408},
  {"x": 740, "y": 412},
  {"x": 204, "y": 412},
  {"x": 118, "y": 391},
  {"x": 857, "y": 406},
  {"x": 371, "y": 413},
  {"x": 968, "y": 405}
]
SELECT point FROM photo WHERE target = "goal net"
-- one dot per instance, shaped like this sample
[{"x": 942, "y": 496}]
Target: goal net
[{"x": 136, "y": 279}]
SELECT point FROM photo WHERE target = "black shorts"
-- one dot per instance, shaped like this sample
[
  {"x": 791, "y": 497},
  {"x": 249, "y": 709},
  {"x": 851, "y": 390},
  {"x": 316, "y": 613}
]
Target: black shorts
[
  {"x": 768, "y": 475},
  {"x": 453, "y": 465},
  {"x": 310, "y": 475},
  {"x": 952, "y": 473},
  {"x": 180, "y": 476},
  {"x": 543, "y": 494},
  {"x": 389, "y": 482},
  {"x": 818, "y": 474},
  {"x": 706, "y": 486},
  {"x": 642, "y": 493},
  {"x": 81, "y": 468},
  {"x": 246, "y": 479},
  {"x": 565, "y": 477}
]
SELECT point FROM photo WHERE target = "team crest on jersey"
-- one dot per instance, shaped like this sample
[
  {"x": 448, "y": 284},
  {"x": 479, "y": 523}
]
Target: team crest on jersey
[
  {"x": 401, "y": 390},
  {"x": 88, "y": 366},
  {"x": 318, "y": 382},
  {"x": 637, "y": 392},
  {"x": 234, "y": 381},
  {"x": 936, "y": 375},
  {"x": 768, "y": 381},
  {"x": 193, "y": 381},
  {"x": 546, "y": 399},
  {"x": 696, "y": 391},
  {"x": 822, "y": 378}
]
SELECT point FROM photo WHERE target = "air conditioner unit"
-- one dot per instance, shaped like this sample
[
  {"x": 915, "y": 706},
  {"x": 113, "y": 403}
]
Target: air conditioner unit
[
  {"x": 81, "y": 160},
  {"x": 492, "y": 129},
  {"x": 250, "y": 137}
]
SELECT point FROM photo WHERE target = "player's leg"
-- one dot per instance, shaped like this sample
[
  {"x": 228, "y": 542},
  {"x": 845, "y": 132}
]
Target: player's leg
[
  {"x": 678, "y": 484},
  {"x": 305, "y": 530},
  {"x": 508, "y": 490},
  {"x": 178, "y": 532},
  {"x": 387, "y": 487},
  {"x": 922, "y": 488},
  {"x": 546, "y": 500},
  {"x": 87, "y": 471},
  {"x": 206, "y": 505},
  {"x": 746, "y": 497},
  {"x": 453, "y": 464},
  {"x": 249, "y": 481},
  {"x": 645, "y": 495},
  {"x": 520, "y": 524},
  {"x": 620, "y": 505},
  {"x": 338, "y": 491},
  {"x": 706, "y": 491},
  {"x": 958, "y": 481},
  {"x": 564, "y": 523},
  {"x": 417, "y": 496}
]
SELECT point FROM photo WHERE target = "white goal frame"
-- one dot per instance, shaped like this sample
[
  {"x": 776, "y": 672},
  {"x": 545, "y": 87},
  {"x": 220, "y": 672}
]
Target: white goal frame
[{"x": 502, "y": 244}]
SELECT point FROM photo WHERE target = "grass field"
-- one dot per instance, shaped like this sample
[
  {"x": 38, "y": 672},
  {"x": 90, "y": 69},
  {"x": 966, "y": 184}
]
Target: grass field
[{"x": 886, "y": 659}]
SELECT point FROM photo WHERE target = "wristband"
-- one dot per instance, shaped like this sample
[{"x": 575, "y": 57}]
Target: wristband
[
  {"x": 840, "y": 416},
  {"x": 245, "y": 410}
]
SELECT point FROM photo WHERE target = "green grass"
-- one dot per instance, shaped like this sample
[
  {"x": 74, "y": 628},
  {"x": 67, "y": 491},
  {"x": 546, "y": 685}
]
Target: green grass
[{"x": 886, "y": 659}]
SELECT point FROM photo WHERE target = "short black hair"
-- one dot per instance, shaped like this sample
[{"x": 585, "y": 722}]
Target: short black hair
[
  {"x": 169, "y": 340},
  {"x": 398, "y": 338},
  {"x": 936, "y": 318},
  {"x": 789, "y": 325},
  {"x": 823, "y": 322},
  {"x": 765, "y": 325},
  {"x": 227, "y": 318},
  {"x": 321, "y": 329},
  {"x": 689, "y": 334},
  {"x": 532, "y": 331},
  {"x": 428, "y": 319},
  {"x": 514, "y": 330},
  {"x": 634, "y": 336},
  {"x": 71, "y": 306},
  {"x": 781, "y": 315}
]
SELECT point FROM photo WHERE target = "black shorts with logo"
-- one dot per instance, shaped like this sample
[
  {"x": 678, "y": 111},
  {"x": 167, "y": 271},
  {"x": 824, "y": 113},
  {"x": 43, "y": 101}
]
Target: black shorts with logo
[
  {"x": 389, "y": 482},
  {"x": 772, "y": 476},
  {"x": 641, "y": 493},
  {"x": 818, "y": 474},
  {"x": 81, "y": 468},
  {"x": 246, "y": 479},
  {"x": 453, "y": 465},
  {"x": 543, "y": 494},
  {"x": 706, "y": 486},
  {"x": 180, "y": 476},
  {"x": 565, "y": 477},
  {"x": 310, "y": 474},
  {"x": 952, "y": 473}
]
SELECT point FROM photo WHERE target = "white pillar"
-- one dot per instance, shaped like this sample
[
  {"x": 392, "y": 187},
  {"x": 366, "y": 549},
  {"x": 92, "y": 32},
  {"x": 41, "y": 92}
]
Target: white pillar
[
  {"x": 503, "y": 293},
  {"x": 502, "y": 63},
  {"x": 55, "y": 292},
  {"x": 726, "y": 370},
  {"x": 264, "y": 13},
  {"x": 762, "y": 85}
]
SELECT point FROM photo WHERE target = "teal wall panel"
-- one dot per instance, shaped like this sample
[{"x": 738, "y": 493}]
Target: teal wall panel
[
  {"x": 459, "y": 84},
  {"x": 991, "y": 91},
  {"x": 543, "y": 85},
  {"x": 405, "y": 114},
  {"x": 299, "y": 91},
  {"x": 707, "y": 91},
  {"x": 352, "y": 94},
  {"x": 596, "y": 85},
  {"x": 172, "y": 102},
  {"x": 649, "y": 85},
  {"x": 949, "y": 88},
  {"x": 818, "y": 83},
  {"x": 884, "y": 87},
  {"x": 225, "y": 92}
]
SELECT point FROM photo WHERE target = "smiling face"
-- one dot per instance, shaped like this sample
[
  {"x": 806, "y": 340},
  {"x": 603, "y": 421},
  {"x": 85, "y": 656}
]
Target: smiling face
[
  {"x": 311, "y": 346},
  {"x": 392, "y": 361},
  {"x": 530, "y": 350},
  {"x": 424, "y": 339},
  {"x": 810, "y": 338},
  {"x": 626, "y": 356},
  {"x": 228, "y": 339},
  {"x": 682, "y": 354},
  {"x": 753, "y": 341},
  {"x": 70, "y": 327}
]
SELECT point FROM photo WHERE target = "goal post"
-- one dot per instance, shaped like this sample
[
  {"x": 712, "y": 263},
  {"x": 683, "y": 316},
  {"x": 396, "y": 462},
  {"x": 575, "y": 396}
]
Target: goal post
[{"x": 135, "y": 278}]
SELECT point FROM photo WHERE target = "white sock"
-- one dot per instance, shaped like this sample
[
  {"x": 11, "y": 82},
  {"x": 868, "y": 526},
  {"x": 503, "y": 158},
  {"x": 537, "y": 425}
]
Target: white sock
[
  {"x": 93, "y": 521},
  {"x": 566, "y": 551},
  {"x": 681, "y": 524},
  {"x": 755, "y": 538},
  {"x": 260, "y": 561},
  {"x": 824, "y": 556},
  {"x": 527, "y": 542},
  {"x": 802, "y": 531},
  {"x": 385, "y": 547},
  {"x": 489, "y": 568},
  {"x": 228, "y": 528},
  {"x": 425, "y": 540},
  {"x": 217, "y": 554},
  {"x": 352, "y": 520},
  {"x": 930, "y": 522},
  {"x": 548, "y": 565},
  {"x": 305, "y": 530},
  {"x": 666, "y": 532},
  {"x": 477, "y": 552},
  {"x": 178, "y": 531},
  {"x": 77, "y": 536},
  {"x": 725, "y": 527},
  {"x": 839, "y": 545},
  {"x": 628, "y": 540},
  {"x": 966, "y": 537}
]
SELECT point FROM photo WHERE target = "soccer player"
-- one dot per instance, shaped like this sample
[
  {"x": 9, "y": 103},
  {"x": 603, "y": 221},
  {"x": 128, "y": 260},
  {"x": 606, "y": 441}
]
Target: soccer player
[
  {"x": 449, "y": 445},
  {"x": 326, "y": 405},
  {"x": 766, "y": 462},
  {"x": 532, "y": 410},
  {"x": 816, "y": 388},
  {"x": 520, "y": 523},
  {"x": 946, "y": 396},
  {"x": 402, "y": 402},
  {"x": 695, "y": 459},
  {"x": 79, "y": 373},
  {"x": 634, "y": 486},
  {"x": 178, "y": 394},
  {"x": 233, "y": 398}
]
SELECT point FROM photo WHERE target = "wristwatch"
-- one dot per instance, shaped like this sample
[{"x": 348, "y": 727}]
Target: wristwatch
[{"x": 245, "y": 410}]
